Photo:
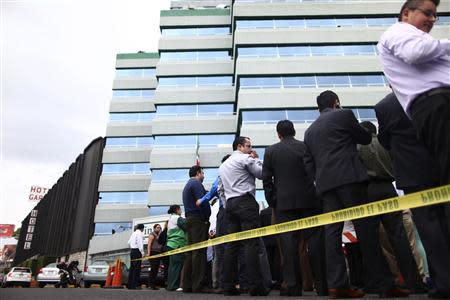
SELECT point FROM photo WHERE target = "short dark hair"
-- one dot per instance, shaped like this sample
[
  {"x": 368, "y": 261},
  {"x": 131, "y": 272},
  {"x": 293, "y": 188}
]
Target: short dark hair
[
  {"x": 414, "y": 4},
  {"x": 173, "y": 209},
  {"x": 326, "y": 99},
  {"x": 285, "y": 128},
  {"x": 156, "y": 225},
  {"x": 140, "y": 226},
  {"x": 369, "y": 126},
  {"x": 239, "y": 140},
  {"x": 193, "y": 171},
  {"x": 225, "y": 158}
]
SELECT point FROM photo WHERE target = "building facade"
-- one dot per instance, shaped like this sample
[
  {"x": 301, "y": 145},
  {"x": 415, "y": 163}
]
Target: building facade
[{"x": 227, "y": 68}]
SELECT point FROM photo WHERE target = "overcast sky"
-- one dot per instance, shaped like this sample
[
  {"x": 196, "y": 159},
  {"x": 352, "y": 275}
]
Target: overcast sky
[{"x": 57, "y": 69}]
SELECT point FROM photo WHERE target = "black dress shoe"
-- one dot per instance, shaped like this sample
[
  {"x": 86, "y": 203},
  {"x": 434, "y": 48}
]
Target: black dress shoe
[
  {"x": 291, "y": 291},
  {"x": 187, "y": 290},
  {"x": 204, "y": 290},
  {"x": 231, "y": 292},
  {"x": 435, "y": 294},
  {"x": 258, "y": 290}
]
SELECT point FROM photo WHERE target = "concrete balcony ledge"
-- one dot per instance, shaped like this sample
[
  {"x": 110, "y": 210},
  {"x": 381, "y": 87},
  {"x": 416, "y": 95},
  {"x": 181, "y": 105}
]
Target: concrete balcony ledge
[
  {"x": 204, "y": 94},
  {"x": 124, "y": 129},
  {"x": 165, "y": 158},
  {"x": 132, "y": 105},
  {"x": 195, "y": 42},
  {"x": 135, "y": 83},
  {"x": 124, "y": 183},
  {"x": 126, "y": 155}
]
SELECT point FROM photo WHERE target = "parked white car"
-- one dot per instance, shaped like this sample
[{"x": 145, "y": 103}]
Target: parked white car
[
  {"x": 48, "y": 275},
  {"x": 18, "y": 276}
]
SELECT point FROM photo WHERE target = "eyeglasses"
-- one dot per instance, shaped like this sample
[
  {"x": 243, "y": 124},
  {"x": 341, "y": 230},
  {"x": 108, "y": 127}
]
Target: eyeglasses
[{"x": 429, "y": 13}]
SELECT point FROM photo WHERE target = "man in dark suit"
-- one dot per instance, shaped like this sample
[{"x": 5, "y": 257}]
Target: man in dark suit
[
  {"x": 379, "y": 168},
  {"x": 414, "y": 171},
  {"x": 341, "y": 180},
  {"x": 291, "y": 193}
]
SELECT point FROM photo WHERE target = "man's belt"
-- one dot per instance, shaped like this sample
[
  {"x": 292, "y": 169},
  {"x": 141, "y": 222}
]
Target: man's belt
[{"x": 432, "y": 92}]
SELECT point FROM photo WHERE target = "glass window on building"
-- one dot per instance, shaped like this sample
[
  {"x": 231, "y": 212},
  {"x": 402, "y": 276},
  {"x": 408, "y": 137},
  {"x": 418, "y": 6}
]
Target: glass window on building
[
  {"x": 158, "y": 211},
  {"x": 195, "y": 31},
  {"x": 180, "y": 175},
  {"x": 126, "y": 168},
  {"x": 195, "y": 81},
  {"x": 260, "y": 151},
  {"x": 195, "y": 55},
  {"x": 294, "y": 51},
  {"x": 123, "y": 198},
  {"x": 175, "y": 141},
  {"x": 132, "y": 117},
  {"x": 110, "y": 228},
  {"x": 129, "y": 73},
  {"x": 216, "y": 140},
  {"x": 261, "y": 199},
  {"x": 263, "y": 116},
  {"x": 196, "y": 110},
  {"x": 365, "y": 114},
  {"x": 129, "y": 142},
  {"x": 134, "y": 94}
]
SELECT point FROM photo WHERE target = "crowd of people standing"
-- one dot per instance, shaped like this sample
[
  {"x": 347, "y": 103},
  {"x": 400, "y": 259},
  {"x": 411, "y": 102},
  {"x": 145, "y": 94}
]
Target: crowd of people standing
[{"x": 341, "y": 163}]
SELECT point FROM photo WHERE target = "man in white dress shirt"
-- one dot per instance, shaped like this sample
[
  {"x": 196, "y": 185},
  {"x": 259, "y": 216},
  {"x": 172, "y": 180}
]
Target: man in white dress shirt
[
  {"x": 418, "y": 68},
  {"x": 136, "y": 243}
]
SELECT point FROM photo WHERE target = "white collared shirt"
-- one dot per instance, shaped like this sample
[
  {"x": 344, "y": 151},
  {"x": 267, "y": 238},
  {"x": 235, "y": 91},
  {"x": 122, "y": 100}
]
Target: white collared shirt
[
  {"x": 238, "y": 174},
  {"x": 413, "y": 61},
  {"x": 136, "y": 240}
]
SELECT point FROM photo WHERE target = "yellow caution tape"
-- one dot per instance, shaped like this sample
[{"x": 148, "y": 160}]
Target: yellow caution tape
[{"x": 419, "y": 199}]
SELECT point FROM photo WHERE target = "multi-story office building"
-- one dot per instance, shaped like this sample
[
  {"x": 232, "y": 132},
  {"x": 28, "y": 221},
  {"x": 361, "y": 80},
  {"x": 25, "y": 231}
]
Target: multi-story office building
[{"x": 237, "y": 67}]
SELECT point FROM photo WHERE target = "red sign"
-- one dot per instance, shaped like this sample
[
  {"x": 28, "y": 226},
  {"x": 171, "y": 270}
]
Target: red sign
[
  {"x": 37, "y": 193},
  {"x": 6, "y": 230}
]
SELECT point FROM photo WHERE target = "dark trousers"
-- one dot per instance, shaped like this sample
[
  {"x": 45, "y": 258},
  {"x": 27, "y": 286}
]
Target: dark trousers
[
  {"x": 242, "y": 213},
  {"x": 154, "y": 267},
  {"x": 367, "y": 231},
  {"x": 174, "y": 272},
  {"x": 393, "y": 225},
  {"x": 431, "y": 223},
  {"x": 431, "y": 118},
  {"x": 219, "y": 250},
  {"x": 135, "y": 269},
  {"x": 290, "y": 245},
  {"x": 195, "y": 262}
]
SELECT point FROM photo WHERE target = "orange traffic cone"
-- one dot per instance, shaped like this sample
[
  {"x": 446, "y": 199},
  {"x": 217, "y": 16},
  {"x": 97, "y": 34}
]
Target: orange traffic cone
[
  {"x": 117, "y": 279},
  {"x": 108, "y": 278}
]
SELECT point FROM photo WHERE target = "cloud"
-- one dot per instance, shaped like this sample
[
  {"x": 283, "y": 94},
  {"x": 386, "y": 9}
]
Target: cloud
[{"x": 58, "y": 67}]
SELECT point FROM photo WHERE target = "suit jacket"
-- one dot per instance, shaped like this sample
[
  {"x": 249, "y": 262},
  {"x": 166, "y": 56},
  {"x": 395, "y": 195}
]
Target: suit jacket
[
  {"x": 413, "y": 166},
  {"x": 332, "y": 157},
  {"x": 286, "y": 183}
]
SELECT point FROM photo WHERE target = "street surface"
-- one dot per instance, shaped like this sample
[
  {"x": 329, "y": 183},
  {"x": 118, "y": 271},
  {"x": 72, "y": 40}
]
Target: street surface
[{"x": 108, "y": 294}]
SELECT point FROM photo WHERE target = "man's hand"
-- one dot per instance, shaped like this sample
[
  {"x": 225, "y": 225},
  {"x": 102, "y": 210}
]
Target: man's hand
[
  {"x": 198, "y": 203},
  {"x": 254, "y": 154}
]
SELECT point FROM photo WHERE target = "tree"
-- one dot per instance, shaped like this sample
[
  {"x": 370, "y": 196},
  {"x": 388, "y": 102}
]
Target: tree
[{"x": 17, "y": 233}]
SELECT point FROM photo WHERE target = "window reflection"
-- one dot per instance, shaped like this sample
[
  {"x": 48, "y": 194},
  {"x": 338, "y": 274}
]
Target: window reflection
[
  {"x": 312, "y": 23},
  {"x": 123, "y": 198},
  {"x": 134, "y": 93},
  {"x": 180, "y": 175},
  {"x": 132, "y": 117},
  {"x": 165, "y": 111},
  {"x": 298, "y": 115},
  {"x": 195, "y": 55},
  {"x": 127, "y": 73},
  {"x": 195, "y": 81},
  {"x": 312, "y": 81},
  {"x": 107, "y": 228},
  {"x": 127, "y": 168},
  {"x": 128, "y": 142},
  {"x": 293, "y": 51},
  {"x": 191, "y": 141},
  {"x": 195, "y": 31}
]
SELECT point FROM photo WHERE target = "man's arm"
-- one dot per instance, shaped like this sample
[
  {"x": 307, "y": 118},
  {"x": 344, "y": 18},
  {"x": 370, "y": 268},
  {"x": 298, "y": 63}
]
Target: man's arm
[
  {"x": 384, "y": 137},
  {"x": 358, "y": 132},
  {"x": 415, "y": 47},
  {"x": 267, "y": 178},
  {"x": 211, "y": 194},
  {"x": 308, "y": 161},
  {"x": 140, "y": 243},
  {"x": 151, "y": 238},
  {"x": 254, "y": 166}
]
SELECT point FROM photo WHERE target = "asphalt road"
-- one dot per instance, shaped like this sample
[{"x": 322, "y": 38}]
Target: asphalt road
[{"x": 100, "y": 294}]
